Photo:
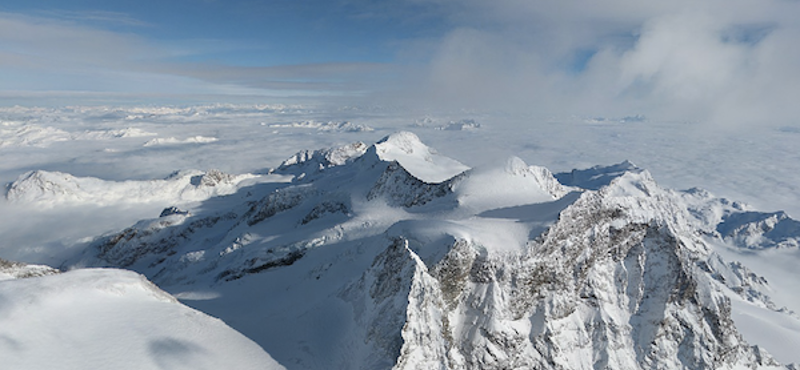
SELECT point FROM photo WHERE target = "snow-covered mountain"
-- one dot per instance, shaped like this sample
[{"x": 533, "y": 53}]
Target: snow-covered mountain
[
  {"x": 109, "y": 319},
  {"x": 46, "y": 188},
  {"x": 394, "y": 256}
]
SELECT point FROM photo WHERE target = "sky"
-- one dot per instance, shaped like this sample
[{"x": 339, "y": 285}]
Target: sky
[{"x": 723, "y": 61}]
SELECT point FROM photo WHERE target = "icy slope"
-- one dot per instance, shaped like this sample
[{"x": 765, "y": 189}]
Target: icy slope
[
  {"x": 362, "y": 263},
  {"x": 113, "y": 319}
]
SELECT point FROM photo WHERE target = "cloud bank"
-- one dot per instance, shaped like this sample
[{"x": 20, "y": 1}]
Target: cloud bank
[{"x": 722, "y": 61}]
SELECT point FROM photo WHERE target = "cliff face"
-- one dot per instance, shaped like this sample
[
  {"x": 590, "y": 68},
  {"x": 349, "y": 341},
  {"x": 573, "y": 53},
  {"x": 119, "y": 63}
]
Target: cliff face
[{"x": 621, "y": 281}]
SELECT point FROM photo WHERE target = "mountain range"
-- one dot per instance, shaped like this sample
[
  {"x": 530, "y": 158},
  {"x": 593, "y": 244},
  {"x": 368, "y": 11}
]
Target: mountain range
[{"x": 393, "y": 256}]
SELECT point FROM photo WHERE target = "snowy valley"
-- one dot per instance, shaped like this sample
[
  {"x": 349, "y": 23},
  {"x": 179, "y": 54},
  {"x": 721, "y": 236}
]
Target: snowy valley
[{"x": 393, "y": 256}]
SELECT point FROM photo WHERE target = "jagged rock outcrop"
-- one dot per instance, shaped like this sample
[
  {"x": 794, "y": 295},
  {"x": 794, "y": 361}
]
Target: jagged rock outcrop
[
  {"x": 19, "y": 270},
  {"x": 400, "y": 188},
  {"x": 308, "y": 162},
  {"x": 616, "y": 283}
]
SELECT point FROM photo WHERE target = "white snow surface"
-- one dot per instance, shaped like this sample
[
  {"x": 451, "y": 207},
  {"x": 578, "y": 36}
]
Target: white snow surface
[
  {"x": 513, "y": 184},
  {"x": 417, "y": 158},
  {"x": 174, "y": 141},
  {"x": 113, "y": 319},
  {"x": 777, "y": 332}
]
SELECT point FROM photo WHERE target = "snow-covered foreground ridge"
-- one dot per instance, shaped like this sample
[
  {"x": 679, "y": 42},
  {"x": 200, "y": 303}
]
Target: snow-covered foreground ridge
[
  {"x": 109, "y": 319},
  {"x": 392, "y": 256}
]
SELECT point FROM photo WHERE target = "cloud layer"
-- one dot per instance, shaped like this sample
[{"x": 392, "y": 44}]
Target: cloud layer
[{"x": 709, "y": 60}]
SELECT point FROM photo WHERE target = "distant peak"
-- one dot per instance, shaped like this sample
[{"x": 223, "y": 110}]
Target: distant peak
[
  {"x": 598, "y": 176},
  {"x": 417, "y": 158},
  {"x": 515, "y": 165},
  {"x": 316, "y": 160},
  {"x": 404, "y": 141}
]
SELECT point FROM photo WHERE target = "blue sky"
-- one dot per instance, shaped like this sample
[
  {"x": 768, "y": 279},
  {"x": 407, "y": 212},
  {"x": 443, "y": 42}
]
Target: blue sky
[
  {"x": 206, "y": 46},
  {"x": 253, "y": 33},
  {"x": 707, "y": 59}
]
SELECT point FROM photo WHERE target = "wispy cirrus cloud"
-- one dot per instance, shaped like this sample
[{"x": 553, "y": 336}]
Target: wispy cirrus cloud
[
  {"x": 68, "y": 52},
  {"x": 57, "y": 42},
  {"x": 101, "y": 17},
  {"x": 317, "y": 77}
]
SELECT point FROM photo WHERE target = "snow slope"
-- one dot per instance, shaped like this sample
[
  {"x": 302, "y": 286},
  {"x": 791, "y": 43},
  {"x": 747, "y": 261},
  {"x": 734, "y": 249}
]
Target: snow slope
[
  {"x": 112, "y": 319},
  {"x": 417, "y": 158}
]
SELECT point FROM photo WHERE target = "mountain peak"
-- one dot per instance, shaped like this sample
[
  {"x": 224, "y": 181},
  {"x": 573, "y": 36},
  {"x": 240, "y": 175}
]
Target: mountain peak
[
  {"x": 402, "y": 140},
  {"x": 306, "y": 161},
  {"x": 596, "y": 177},
  {"x": 417, "y": 158}
]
